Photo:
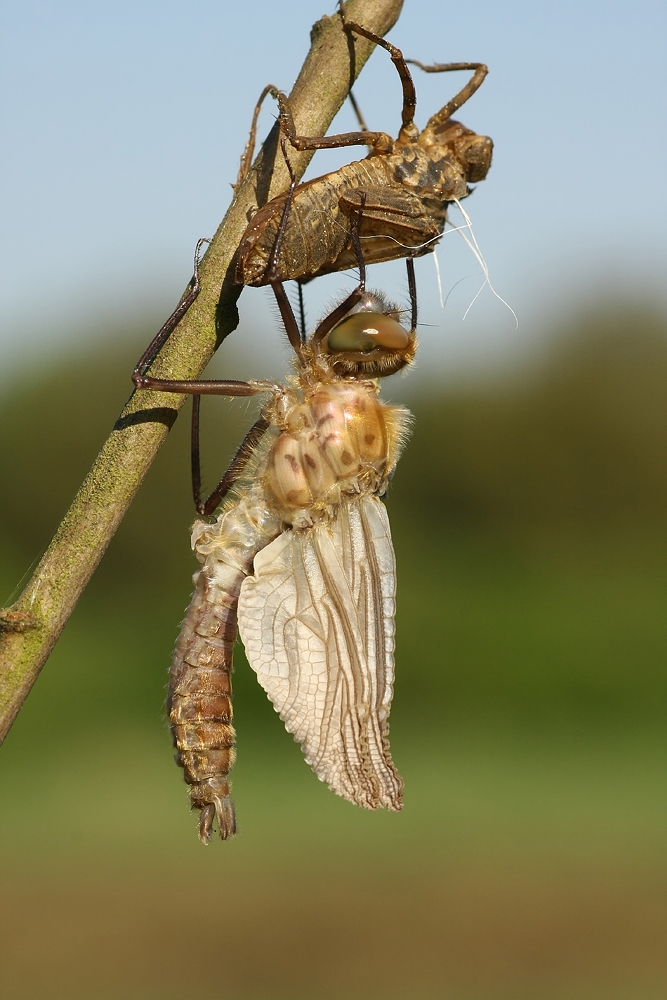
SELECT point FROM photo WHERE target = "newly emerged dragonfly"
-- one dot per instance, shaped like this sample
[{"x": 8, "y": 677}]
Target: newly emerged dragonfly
[{"x": 300, "y": 560}]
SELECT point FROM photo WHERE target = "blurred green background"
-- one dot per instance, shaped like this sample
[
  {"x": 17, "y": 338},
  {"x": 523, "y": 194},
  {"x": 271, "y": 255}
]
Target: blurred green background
[{"x": 530, "y": 524}]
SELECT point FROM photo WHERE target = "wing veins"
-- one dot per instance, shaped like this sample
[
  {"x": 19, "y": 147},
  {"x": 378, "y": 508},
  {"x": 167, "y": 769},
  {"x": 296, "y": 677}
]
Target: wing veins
[
  {"x": 316, "y": 618},
  {"x": 353, "y": 676}
]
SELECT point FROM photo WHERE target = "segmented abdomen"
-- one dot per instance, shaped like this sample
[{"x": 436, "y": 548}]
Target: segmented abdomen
[
  {"x": 200, "y": 703},
  {"x": 200, "y": 686}
]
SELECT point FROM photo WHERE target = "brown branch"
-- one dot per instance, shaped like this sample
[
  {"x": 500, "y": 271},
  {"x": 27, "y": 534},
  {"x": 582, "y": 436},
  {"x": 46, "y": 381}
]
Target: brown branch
[{"x": 32, "y": 625}]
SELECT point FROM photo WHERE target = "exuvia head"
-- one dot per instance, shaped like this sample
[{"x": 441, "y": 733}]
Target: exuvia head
[{"x": 472, "y": 151}]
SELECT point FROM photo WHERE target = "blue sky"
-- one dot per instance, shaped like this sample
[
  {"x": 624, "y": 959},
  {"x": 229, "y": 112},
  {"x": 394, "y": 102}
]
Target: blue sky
[{"x": 123, "y": 124}]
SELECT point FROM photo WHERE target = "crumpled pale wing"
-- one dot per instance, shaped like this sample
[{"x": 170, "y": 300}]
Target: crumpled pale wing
[{"x": 317, "y": 623}]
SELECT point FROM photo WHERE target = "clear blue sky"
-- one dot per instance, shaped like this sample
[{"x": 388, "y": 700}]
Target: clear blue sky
[{"x": 123, "y": 123}]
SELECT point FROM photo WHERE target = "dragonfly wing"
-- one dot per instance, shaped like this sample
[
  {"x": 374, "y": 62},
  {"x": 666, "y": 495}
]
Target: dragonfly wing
[{"x": 317, "y": 622}]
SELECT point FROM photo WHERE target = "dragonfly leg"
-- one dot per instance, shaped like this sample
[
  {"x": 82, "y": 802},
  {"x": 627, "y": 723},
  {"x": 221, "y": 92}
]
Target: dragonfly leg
[
  {"x": 412, "y": 288},
  {"x": 214, "y": 387},
  {"x": 236, "y": 467},
  {"x": 163, "y": 333},
  {"x": 409, "y": 130},
  {"x": 273, "y": 273},
  {"x": 334, "y": 317},
  {"x": 445, "y": 113},
  {"x": 249, "y": 150}
]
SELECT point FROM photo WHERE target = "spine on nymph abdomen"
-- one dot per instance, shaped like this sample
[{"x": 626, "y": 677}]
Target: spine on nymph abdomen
[{"x": 200, "y": 686}]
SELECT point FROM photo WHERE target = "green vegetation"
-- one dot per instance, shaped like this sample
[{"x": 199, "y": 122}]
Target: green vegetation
[{"x": 530, "y": 522}]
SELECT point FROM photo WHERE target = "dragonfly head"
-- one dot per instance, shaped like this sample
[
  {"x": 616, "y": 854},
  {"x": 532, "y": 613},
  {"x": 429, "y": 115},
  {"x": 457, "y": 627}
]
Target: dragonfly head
[{"x": 369, "y": 342}]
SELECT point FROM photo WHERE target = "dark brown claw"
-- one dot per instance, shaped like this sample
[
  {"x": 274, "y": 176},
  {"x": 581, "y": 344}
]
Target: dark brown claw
[
  {"x": 226, "y": 819},
  {"x": 206, "y": 823},
  {"x": 223, "y": 812}
]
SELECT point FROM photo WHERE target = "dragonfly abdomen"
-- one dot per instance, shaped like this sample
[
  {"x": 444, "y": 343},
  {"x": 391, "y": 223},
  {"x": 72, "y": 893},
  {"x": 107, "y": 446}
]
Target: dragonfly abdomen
[
  {"x": 200, "y": 702},
  {"x": 200, "y": 683}
]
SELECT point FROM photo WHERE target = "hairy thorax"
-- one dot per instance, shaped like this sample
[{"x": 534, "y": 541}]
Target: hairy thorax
[{"x": 339, "y": 442}]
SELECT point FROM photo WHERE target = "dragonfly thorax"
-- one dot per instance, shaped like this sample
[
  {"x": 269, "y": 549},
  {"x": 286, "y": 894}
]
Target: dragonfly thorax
[{"x": 337, "y": 442}]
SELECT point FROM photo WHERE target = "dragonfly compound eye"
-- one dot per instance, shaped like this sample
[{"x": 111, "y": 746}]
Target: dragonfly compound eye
[{"x": 364, "y": 331}]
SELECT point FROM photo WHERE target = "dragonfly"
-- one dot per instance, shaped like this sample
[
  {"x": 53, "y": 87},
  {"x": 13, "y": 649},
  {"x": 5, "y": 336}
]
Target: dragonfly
[{"x": 299, "y": 560}]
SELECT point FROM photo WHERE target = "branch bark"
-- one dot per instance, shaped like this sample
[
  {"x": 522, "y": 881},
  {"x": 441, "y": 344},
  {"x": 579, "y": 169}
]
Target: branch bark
[{"x": 30, "y": 628}]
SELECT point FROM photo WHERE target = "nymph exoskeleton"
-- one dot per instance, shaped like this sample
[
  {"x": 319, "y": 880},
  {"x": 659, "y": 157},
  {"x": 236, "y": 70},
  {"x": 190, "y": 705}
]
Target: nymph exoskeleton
[
  {"x": 300, "y": 560},
  {"x": 407, "y": 185}
]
